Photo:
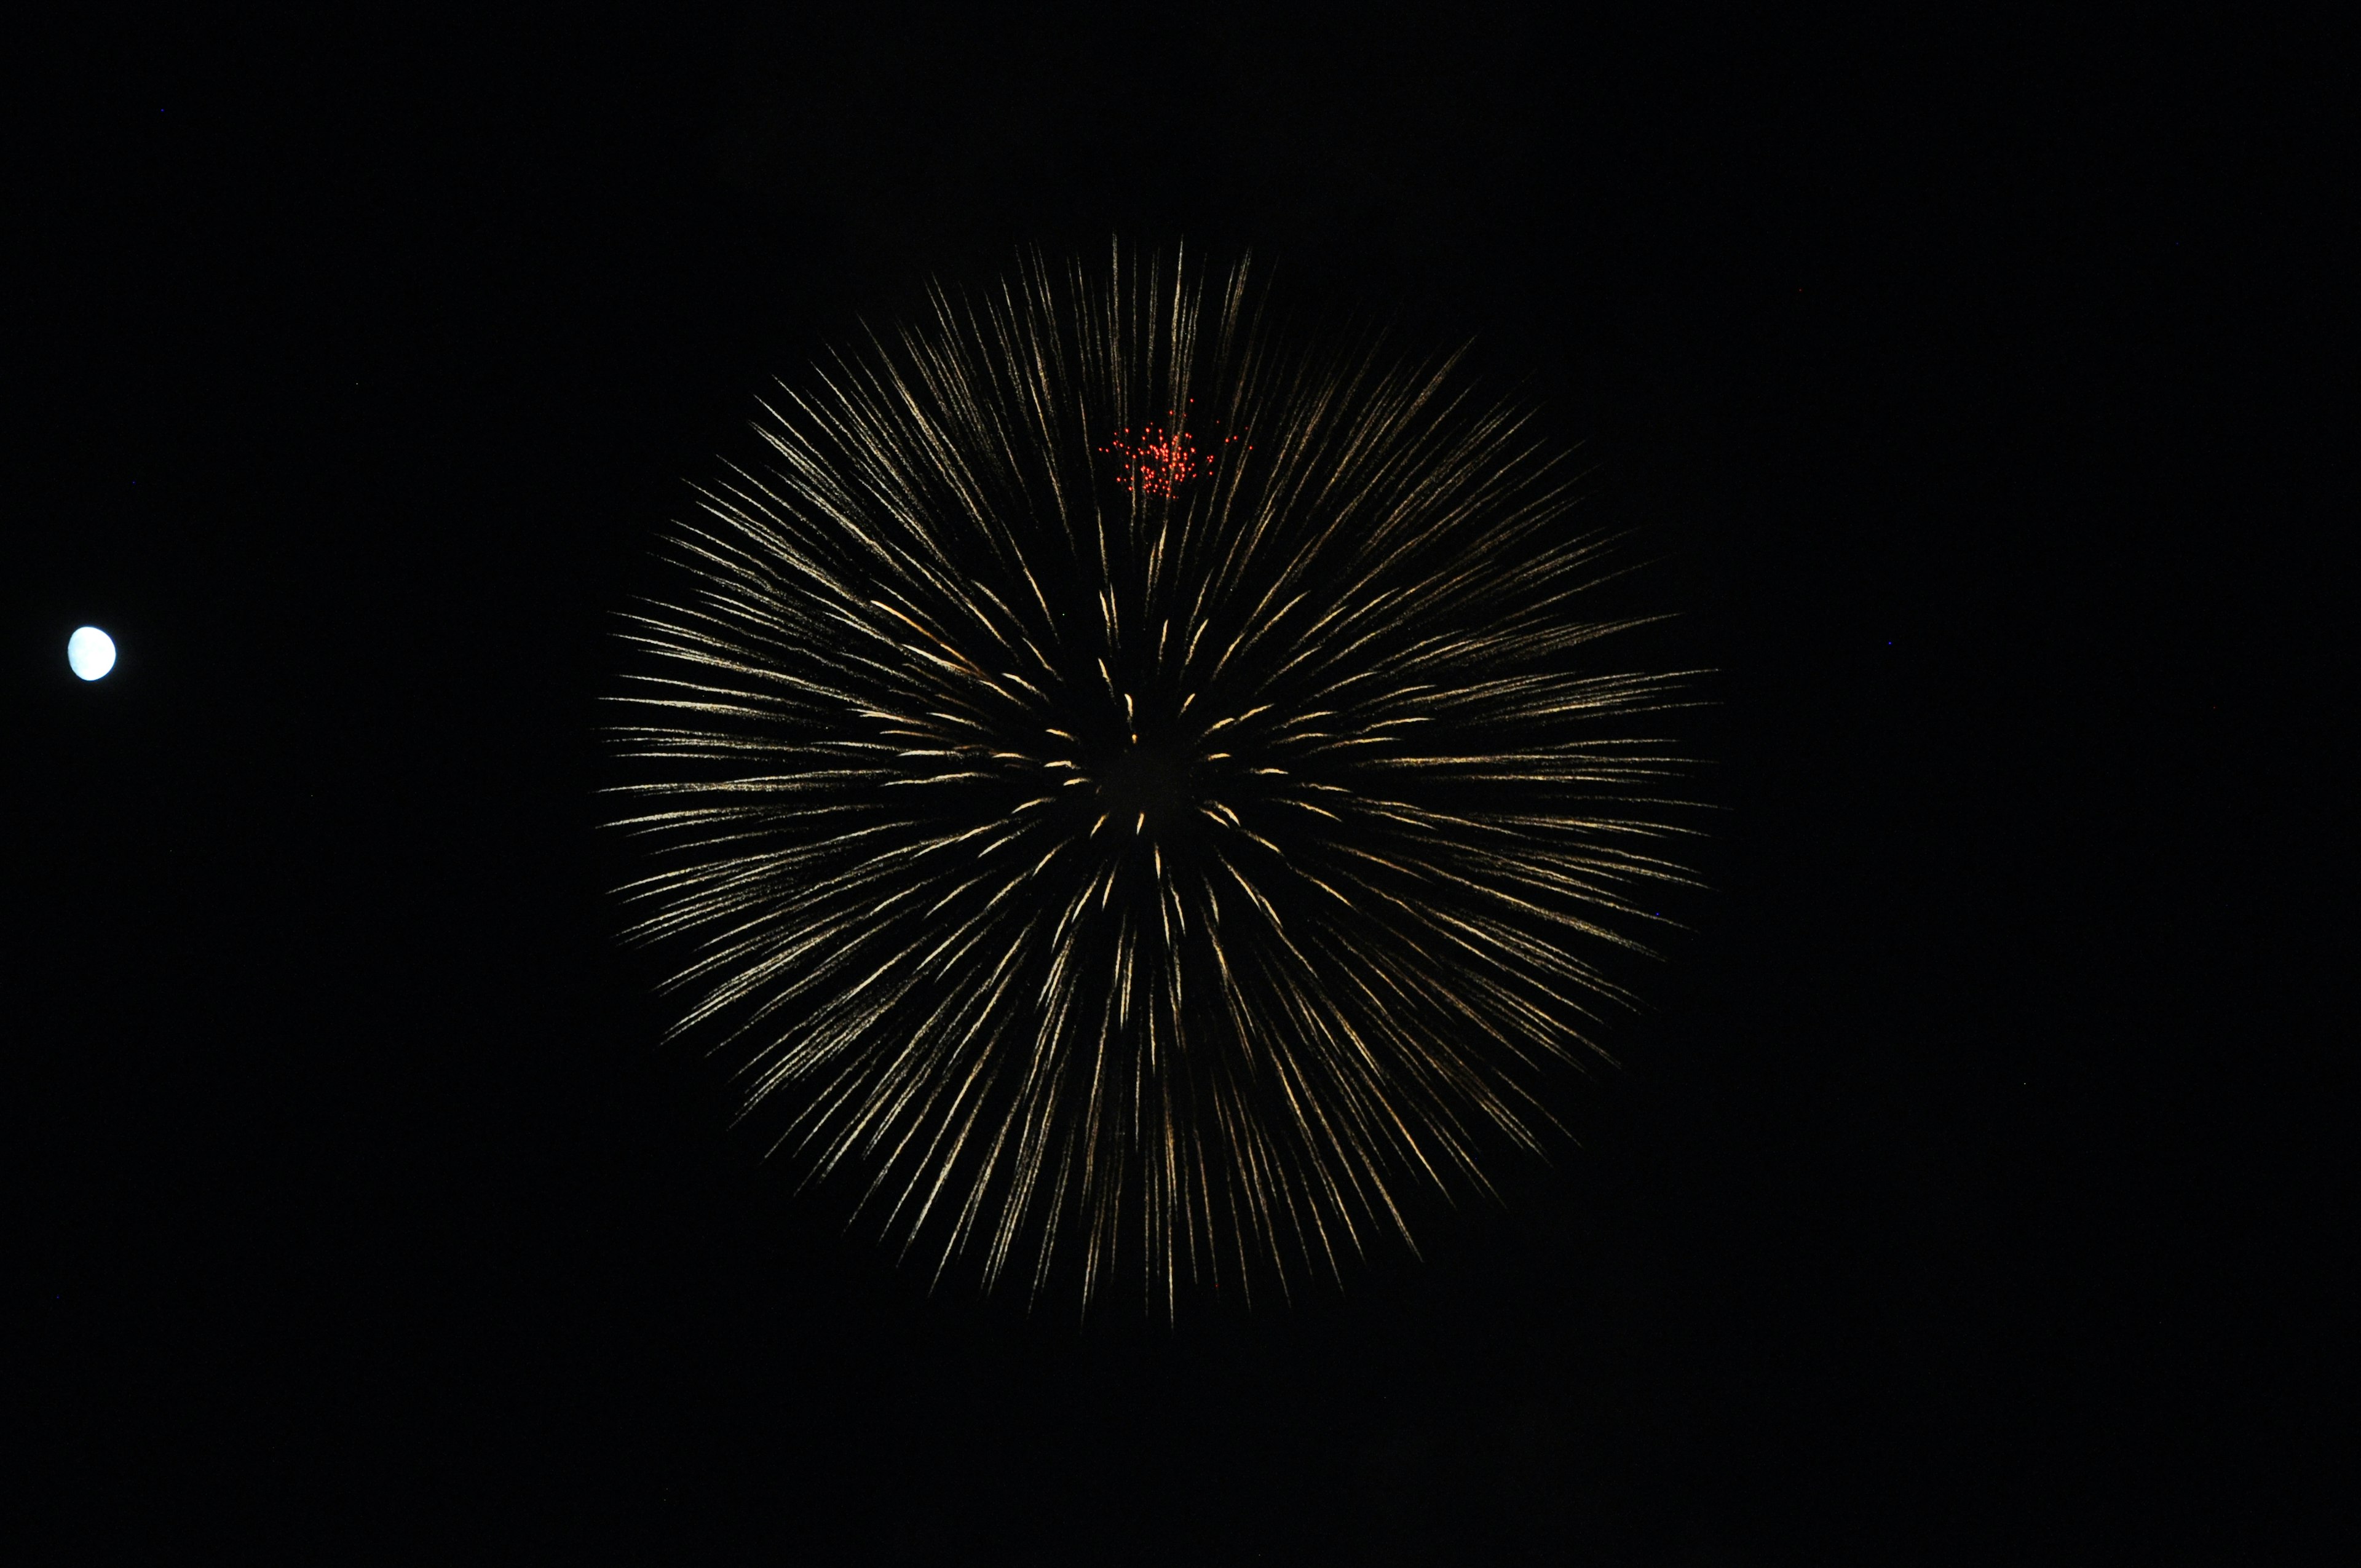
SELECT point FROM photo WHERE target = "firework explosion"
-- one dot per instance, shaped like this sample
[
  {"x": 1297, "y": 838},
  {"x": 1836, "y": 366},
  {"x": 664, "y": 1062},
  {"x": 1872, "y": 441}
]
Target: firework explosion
[{"x": 1134, "y": 793}]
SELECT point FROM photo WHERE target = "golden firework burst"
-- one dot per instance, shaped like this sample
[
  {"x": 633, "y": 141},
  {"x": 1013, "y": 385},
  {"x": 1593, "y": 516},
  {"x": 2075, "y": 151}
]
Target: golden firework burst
[{"x": 1136, "y": 789}]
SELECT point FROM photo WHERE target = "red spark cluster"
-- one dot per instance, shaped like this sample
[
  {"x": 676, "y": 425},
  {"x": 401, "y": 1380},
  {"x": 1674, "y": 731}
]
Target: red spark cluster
[{"x": 1157, "y": 460}]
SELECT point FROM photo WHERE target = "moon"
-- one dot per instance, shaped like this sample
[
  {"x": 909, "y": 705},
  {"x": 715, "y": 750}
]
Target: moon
[{"x": 91, "y": 652}]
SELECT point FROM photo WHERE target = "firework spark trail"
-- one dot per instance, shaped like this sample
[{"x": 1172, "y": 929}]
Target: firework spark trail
[{"x": 1121, "y": 778}]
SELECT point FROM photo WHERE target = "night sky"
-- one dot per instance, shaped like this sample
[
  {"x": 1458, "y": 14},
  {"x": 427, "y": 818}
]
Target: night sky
[{"x": 357, "y": 1213}]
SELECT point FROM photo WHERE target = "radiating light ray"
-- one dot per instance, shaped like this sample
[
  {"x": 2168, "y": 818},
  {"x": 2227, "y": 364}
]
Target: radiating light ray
[{"x": 1135, "y": 791}]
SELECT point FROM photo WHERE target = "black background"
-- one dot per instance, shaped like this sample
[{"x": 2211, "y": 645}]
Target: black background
[{"x": 1948, "y": 1209}]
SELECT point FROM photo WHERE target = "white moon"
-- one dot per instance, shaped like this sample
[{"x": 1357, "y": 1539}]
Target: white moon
[{"x": 91, "y": 652}]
